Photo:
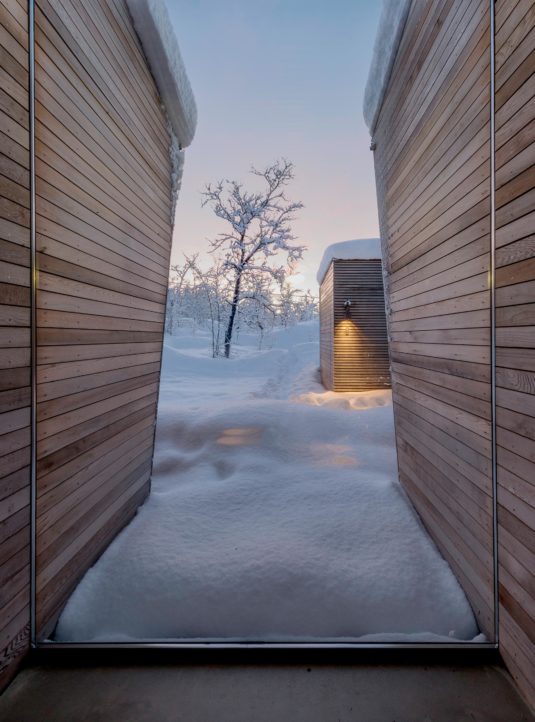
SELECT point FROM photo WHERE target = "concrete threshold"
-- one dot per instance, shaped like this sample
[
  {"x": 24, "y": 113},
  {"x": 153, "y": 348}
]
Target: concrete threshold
[{"x": 121, "y": 692}]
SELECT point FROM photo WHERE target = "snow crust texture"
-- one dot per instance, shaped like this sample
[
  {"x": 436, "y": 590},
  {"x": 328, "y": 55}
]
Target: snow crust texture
[
  {"x": 391, "y": 23},
  {"x": 155, "y": 30},
  {"x": 275, "y": 514},
  {"x": 358, "y": 248}
]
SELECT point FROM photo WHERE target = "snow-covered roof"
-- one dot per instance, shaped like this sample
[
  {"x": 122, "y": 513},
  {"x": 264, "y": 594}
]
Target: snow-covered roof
[
  {"x": 391, "y": 25},
  {"x": 348, "y": 250},
  {"x": 155, "y": 30}
]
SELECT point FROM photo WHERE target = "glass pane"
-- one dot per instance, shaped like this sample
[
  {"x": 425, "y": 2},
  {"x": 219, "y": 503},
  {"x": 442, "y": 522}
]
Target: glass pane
[{"x": 321, "y": 469}]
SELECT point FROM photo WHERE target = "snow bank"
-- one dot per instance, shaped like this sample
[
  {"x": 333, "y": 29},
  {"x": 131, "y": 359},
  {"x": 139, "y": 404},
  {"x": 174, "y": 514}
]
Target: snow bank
[
  {"x": 358, "y": 248},
  {"x": 390, "y": 30},
  {"x": 273, "y": 515},
  {"x": 345, "y": 399},
  {"x": 155, "y": 30}
]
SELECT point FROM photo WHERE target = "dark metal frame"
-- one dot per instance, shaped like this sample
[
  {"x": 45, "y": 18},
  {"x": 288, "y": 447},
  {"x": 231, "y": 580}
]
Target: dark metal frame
[
  {"x": 33, "y": 324},
  {"x": 213, "y": 651}
]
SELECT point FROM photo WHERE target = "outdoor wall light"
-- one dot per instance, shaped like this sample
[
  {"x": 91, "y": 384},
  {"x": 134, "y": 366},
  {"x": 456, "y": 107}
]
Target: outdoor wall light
[{"x": 347, "y": 308}]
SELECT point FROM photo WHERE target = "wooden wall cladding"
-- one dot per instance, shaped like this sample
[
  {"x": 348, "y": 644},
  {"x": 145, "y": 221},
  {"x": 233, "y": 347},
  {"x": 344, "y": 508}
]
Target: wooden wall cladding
[
  {"x": 515, "y": 334},
  {"x": 15, "y": 338},
  {"x": 103, "y": 219},
  {"x": 326, "y": 309},
  {"x": 103, "y": 230},
  {"x": 432, "y": 163},
  {"x": 432, "y": 166},
  {"x": 354, "y": 348},
  {"x": 360, "y": 342}
]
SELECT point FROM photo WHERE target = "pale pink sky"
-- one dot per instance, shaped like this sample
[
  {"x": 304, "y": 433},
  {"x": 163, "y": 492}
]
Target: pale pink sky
[{"x": 280, "y": 78}]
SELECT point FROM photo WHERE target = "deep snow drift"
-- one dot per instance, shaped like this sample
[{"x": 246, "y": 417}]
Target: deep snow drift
[{"x": 275, "y": 514}]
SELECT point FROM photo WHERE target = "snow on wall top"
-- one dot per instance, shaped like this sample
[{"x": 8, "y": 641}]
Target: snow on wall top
[
  {"x": 347, "y": 250},
  {"x": 155, "y": 30},
  {"x": 391, "y": 25}
]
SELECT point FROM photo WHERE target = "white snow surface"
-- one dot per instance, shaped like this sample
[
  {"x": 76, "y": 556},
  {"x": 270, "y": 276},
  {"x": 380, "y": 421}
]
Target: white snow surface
[
  {"x": 155, "y": 30},
  {"x": 347, "y": 250},
  {"x": 275, "y": 514},
  {"x": 391, "y": 23}
]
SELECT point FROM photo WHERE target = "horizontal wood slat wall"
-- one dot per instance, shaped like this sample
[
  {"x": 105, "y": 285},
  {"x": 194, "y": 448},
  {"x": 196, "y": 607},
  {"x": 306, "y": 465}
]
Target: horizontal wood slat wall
[
  {"x": 432, "y": 168},
  {"x": 432, "y": 163},
  {"x": 326, "y": 308},
  {"x": 515, "y": 334},
  {"x": 103, "y": 220},
  {"x": 15, "y": 339},
  {"x": 354, "y": 349}
]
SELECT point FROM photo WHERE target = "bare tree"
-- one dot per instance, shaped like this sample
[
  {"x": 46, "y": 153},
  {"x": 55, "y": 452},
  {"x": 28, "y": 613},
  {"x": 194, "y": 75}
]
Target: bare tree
[
  {"x": 213, "y": 285},
  {"x": 257, "y": 308},
  {"x": 175, "y": 295},
  {"x": 260, "y": 229}
]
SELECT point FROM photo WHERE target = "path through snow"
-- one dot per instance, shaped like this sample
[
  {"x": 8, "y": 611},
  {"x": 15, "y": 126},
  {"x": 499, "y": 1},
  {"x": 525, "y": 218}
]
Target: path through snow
[{"x": 274, "y": 514}]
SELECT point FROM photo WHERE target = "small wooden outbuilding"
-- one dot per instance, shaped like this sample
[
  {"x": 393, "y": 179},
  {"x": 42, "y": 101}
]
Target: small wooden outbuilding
[{"x": 353, "y": 333}]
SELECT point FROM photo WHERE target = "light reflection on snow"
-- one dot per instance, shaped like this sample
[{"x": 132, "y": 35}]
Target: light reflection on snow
[
  {"x": 269, "y": 519},
  {"x": 339, "y": 461},
  {"x": 333, "y": 455},
  {"x": 349, "y": 400},
  {"x": 240, "y": 436}
]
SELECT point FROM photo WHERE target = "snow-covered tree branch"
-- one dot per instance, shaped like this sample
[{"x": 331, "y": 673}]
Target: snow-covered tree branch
[
  {"x": 259, "y": 231},
  {"x": 201, "y": 298}
]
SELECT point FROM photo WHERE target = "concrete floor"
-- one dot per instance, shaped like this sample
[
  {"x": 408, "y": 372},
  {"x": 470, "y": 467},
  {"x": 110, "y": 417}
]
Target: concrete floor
[{"x": 262, "y": 693}]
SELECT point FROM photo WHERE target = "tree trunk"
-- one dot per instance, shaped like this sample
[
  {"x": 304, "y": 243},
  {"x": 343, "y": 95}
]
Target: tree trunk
[{"x": 233, "y": 309}]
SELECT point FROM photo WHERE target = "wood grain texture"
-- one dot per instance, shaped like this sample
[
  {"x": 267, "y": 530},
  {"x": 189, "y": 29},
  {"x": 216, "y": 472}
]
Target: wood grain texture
[
  {"x": 433, "y": 178},
  {"x": 103, "y": 230},
  {"x": 432, "y": 163},
  {"x": 14, "y": 341},
  {"x": 326, "y": 310},
  {"x": 103, "y": 243},
  {"x": 354, "y": 346},
  {"x": 515, "y": 337}
]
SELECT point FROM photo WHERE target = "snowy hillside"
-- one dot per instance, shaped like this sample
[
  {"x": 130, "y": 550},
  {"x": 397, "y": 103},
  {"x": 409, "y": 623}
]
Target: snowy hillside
[{"x": 275, "y": 514}]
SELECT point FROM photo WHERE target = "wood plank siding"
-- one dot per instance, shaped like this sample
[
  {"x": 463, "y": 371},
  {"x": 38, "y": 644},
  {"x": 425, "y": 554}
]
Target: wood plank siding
[
  {"x": 432, "y": 162},
  {"x": 103, "y": 218},
  {"x": 326, "y": 309},
  {"x": 103, "y": 236},
  {"x": 433, "y": 178},
  {"x": 515, "y": 334},
  {"x": 15, "y": 374},
  {"x": 354, "y": 347}
]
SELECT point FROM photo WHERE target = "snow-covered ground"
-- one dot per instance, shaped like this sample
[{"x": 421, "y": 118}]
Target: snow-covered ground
[{"x": 274, "y": 514}]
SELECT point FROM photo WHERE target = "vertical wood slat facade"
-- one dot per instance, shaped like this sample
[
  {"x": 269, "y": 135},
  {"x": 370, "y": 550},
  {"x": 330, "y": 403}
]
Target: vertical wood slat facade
[
  {"x": 433, "y": 180},
  {"x": 515, "y": 334},
  {"x": 103, "y": 237},
  {"x": 354, "y": 345},
  {"x": 15, "y": 374}
]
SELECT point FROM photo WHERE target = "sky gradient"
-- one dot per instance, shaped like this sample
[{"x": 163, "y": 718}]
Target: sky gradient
[{"x": 272, "y": 79}]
